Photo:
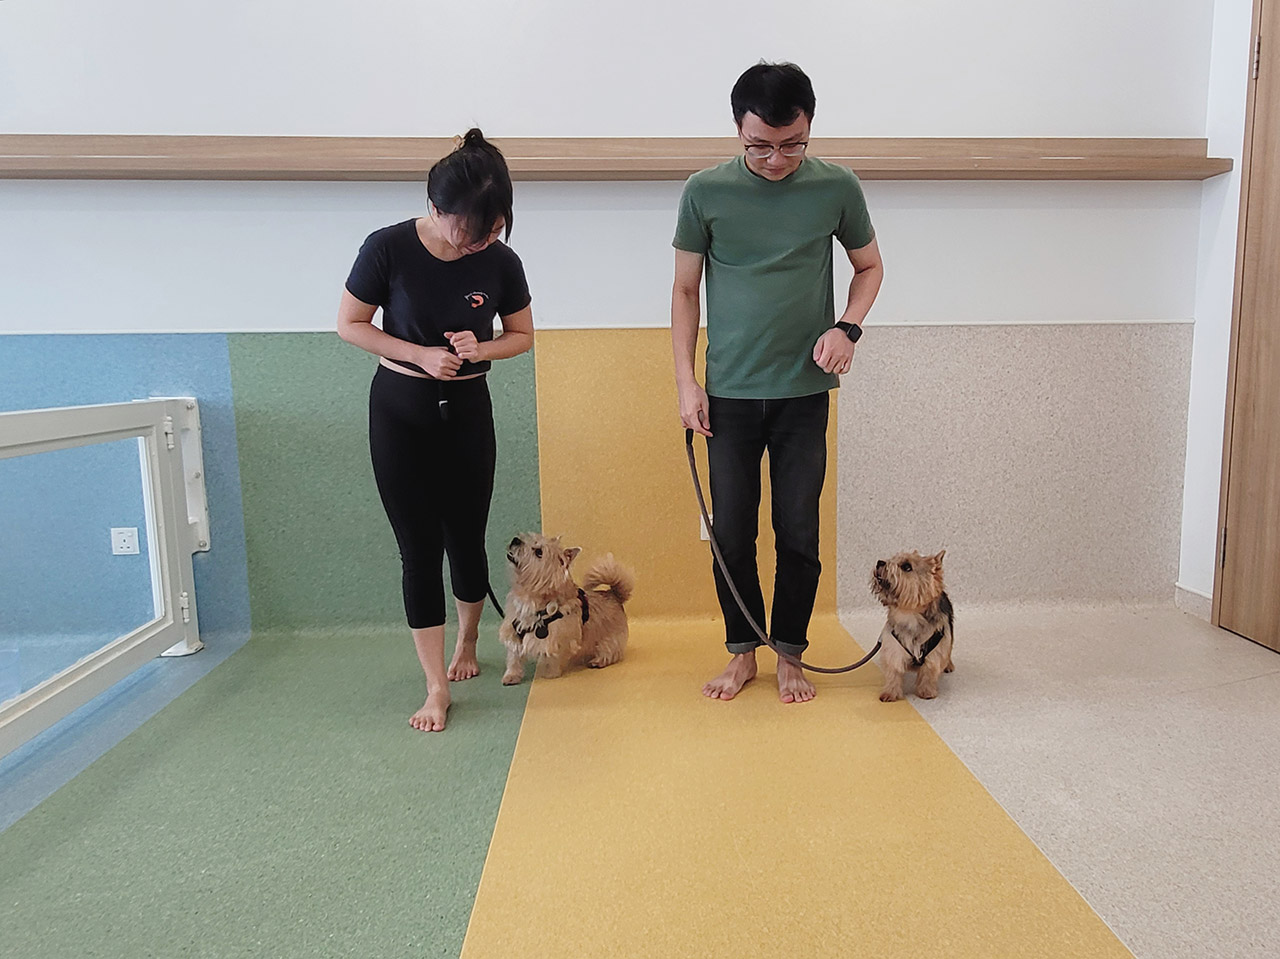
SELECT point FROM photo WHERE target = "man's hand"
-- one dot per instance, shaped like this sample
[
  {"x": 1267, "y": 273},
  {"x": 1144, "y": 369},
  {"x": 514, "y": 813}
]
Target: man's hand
[
  {"x": 694, "y": 413},
  {"x": 439, "y": 362},
  {"x": 833, "y": 351}
]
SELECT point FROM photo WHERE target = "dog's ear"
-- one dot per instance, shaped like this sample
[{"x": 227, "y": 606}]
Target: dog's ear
[
  {"x": 937, "y": 560},
  {"x": 571, "y": 554}
]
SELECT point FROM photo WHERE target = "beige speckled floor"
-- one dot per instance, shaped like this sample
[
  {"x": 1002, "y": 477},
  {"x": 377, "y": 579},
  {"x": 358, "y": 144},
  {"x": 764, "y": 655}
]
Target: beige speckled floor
[{"x": 1139, "y": 748}]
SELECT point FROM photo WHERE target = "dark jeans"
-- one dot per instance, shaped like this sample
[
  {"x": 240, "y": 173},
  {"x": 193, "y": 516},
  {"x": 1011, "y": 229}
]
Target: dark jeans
[{"x": 794, "y": 431}]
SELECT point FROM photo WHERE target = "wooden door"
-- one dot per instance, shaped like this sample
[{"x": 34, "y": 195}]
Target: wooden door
[{"x": 1249, "y": 548}]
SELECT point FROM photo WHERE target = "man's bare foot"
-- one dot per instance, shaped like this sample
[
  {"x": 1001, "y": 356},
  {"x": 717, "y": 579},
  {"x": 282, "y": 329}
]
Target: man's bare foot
[
  {"x": 464, "y": 665},
  {"x": 740, "y": 671},
  {"x": 430, "y": 718},
  {"x": 792, "y": 685}
]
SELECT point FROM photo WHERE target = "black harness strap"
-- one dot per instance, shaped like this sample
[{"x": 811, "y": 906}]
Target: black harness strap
[
  {"x": 542, "y": 622},
  {"x": 925, "y": 650}
]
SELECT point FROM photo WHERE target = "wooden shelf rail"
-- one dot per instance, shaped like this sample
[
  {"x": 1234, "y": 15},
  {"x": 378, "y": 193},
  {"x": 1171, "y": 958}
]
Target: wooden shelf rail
[{"x": 45, "y": 157}]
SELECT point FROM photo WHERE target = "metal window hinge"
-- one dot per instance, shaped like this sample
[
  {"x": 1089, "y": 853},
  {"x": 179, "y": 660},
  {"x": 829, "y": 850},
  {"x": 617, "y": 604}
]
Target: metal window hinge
[
  {"x": 168, "y": 432},
  {"x": 1257, "y": 55},
  {"x": 184, "y": 604},
  {"x": 1224, "y": 548}
]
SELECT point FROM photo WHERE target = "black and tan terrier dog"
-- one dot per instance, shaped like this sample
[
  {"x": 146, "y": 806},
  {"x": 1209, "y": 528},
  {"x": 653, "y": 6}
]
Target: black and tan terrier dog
[
  {"x": 917, "y": 634},
  {"x": 553, "y": 621}
]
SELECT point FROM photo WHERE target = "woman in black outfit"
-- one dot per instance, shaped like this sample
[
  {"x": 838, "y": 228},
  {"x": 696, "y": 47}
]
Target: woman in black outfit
[{"x": 440, "y": 280}]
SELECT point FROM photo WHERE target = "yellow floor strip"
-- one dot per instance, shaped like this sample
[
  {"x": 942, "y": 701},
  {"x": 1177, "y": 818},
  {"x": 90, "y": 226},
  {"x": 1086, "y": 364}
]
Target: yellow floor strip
[{"x": 642, "y": 820}]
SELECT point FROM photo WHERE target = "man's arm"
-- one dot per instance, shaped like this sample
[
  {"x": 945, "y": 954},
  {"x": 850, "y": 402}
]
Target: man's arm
[
  {"x": 685, "y": 311},
  {"x": 834, "y": 350},
  {"x": 868, "y": 274}
]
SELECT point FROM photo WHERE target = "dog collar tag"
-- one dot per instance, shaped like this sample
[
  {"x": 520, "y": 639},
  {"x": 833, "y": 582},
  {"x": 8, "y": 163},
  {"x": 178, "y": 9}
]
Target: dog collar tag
[{"x": 540, "y": 630}]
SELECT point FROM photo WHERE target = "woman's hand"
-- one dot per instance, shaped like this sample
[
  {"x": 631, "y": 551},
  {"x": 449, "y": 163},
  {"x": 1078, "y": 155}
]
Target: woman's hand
[
  {"x": 439, "y": 362},
  {"x": 465, "y": 345}
]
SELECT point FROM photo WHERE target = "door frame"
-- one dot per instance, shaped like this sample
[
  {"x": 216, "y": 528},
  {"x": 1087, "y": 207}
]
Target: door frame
[{"x": 1246, "y": 168}]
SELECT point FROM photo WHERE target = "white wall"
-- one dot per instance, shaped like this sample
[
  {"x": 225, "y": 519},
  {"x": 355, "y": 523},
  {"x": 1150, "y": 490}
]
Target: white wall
[
  {"x": 161, "y": 257},
  {"x": 1228, "y": 91},
  {"x": 226, "y": 256},
  {"x": 593, "y": 67}
]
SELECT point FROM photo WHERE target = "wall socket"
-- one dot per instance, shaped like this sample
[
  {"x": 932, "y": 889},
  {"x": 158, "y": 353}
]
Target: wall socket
[{"x": 124, "y": 540}]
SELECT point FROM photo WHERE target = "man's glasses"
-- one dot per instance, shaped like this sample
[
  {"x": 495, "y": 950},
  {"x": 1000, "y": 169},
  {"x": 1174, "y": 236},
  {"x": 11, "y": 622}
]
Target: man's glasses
[{"x": 762, "y": 151}]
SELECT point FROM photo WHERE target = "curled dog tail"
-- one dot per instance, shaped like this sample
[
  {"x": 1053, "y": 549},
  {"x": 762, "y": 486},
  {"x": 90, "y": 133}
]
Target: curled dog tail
[{"x": 609, "y": 572}]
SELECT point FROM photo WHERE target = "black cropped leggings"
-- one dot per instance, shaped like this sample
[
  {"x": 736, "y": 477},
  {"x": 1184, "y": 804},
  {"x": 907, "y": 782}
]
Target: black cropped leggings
[{"x": 435, "y": 477}]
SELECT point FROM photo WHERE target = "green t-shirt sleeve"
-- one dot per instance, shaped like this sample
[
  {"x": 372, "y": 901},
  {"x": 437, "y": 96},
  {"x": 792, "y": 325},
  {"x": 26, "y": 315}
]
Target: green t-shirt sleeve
[
  {"x": 855, "y": 230},
  {"x": 692, "y": 234}
]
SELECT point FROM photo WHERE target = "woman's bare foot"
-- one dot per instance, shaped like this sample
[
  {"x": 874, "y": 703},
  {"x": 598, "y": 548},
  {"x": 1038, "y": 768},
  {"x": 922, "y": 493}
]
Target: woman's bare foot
[
  {"x": 430, "y": 718},
  {"x": 464, "y": 664},
  {"x": 792, "y": 685},
  {"x": 740, "y": 671}
]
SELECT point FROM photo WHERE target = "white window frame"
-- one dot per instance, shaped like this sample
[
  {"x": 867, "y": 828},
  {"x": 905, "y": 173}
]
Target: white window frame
[{"x": 177, "y": 519}]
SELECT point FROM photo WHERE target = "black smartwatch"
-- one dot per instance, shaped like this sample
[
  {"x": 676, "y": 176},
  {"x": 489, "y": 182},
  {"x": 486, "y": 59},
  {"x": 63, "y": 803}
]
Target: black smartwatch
[{"x": 851, "y": 330}]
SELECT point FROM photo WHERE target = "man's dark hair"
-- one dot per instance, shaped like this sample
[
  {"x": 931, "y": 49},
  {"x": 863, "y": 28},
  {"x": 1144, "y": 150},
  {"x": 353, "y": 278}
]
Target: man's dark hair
[
  {"x": 775, "y": 92},
  {"x": 473, "y": 182}
]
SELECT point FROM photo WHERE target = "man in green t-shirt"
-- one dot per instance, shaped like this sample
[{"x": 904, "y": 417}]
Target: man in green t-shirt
[{"x": 760, "y": 226}]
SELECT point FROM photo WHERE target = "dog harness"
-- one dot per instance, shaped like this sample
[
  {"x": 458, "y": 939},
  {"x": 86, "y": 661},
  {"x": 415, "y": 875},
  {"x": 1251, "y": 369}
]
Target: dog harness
[
  {"x": 925, "y": 650},
  {"x": 542, "y": 621}
]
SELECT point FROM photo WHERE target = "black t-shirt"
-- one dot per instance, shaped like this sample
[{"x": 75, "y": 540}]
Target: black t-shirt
[{"x": 423, "y": 297}]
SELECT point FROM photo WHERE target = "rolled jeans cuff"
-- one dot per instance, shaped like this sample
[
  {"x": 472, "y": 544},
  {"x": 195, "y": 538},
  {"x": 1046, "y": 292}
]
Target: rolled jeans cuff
[{"x": 791, "y": 649}]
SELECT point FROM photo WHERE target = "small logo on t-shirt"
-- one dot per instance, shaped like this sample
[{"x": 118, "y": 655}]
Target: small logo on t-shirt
[{"x": 477, "y": 300}]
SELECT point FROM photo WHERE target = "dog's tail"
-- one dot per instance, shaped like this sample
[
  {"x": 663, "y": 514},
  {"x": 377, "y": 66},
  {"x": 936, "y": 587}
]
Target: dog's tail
[{"x": 609, "y": 572}]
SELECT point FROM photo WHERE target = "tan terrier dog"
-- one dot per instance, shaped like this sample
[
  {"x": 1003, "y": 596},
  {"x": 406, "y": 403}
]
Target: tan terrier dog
[
  {"x": 554, "y": 622},
  {"x": 917, "y": 634}
]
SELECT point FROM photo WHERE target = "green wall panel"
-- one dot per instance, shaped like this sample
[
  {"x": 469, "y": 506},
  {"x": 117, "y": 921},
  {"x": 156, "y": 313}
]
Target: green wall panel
[{"x": 320, "y": 550}]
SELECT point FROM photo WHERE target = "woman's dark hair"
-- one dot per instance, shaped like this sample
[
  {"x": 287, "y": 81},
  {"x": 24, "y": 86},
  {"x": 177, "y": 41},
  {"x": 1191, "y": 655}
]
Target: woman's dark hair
[
  {"x": 775, "y": 92},
  {"x": 473, "y": 183}
]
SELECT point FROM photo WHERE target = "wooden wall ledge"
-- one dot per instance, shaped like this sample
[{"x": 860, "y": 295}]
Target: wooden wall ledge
[{"x": 65, "y": 157}]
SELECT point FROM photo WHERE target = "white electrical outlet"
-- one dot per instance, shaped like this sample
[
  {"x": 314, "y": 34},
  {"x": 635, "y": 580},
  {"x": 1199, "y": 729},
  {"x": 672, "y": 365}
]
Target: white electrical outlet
[
  {"x": 124, "y": 540},
  {"x": 702, "y": 527}
]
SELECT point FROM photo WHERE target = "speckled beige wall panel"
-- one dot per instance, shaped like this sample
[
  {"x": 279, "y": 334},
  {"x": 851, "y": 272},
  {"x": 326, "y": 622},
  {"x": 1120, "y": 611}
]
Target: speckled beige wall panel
[{"x": 1048, "y": 460}]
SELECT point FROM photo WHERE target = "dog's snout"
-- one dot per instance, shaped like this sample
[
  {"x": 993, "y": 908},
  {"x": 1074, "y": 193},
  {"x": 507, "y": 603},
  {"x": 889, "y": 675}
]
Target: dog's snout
[
  {"x": 879, "y": 566},
  {"x": 515, "y": 541}
]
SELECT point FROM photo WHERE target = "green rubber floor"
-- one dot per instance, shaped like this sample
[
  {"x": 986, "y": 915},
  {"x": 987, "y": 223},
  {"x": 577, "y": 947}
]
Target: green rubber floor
[{"x": 281, "y": 807}]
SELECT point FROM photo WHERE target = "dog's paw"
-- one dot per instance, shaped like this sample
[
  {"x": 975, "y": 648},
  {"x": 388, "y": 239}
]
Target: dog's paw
[
  {"x": 926, "y": 694},
  {"x": 951, "y": 668},
  {"x": 889, "y": 697},
  {"x": 512, "y": 679}
]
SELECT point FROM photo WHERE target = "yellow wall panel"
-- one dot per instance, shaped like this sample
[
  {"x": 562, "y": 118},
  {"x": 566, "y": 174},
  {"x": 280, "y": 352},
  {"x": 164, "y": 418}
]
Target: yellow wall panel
[{"x": 615, "y": 477}]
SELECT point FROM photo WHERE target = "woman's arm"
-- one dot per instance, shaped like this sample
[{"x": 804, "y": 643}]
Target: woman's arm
[
  {"x": 516, "y": 338},
  {"x": 355, "y": 326}
]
